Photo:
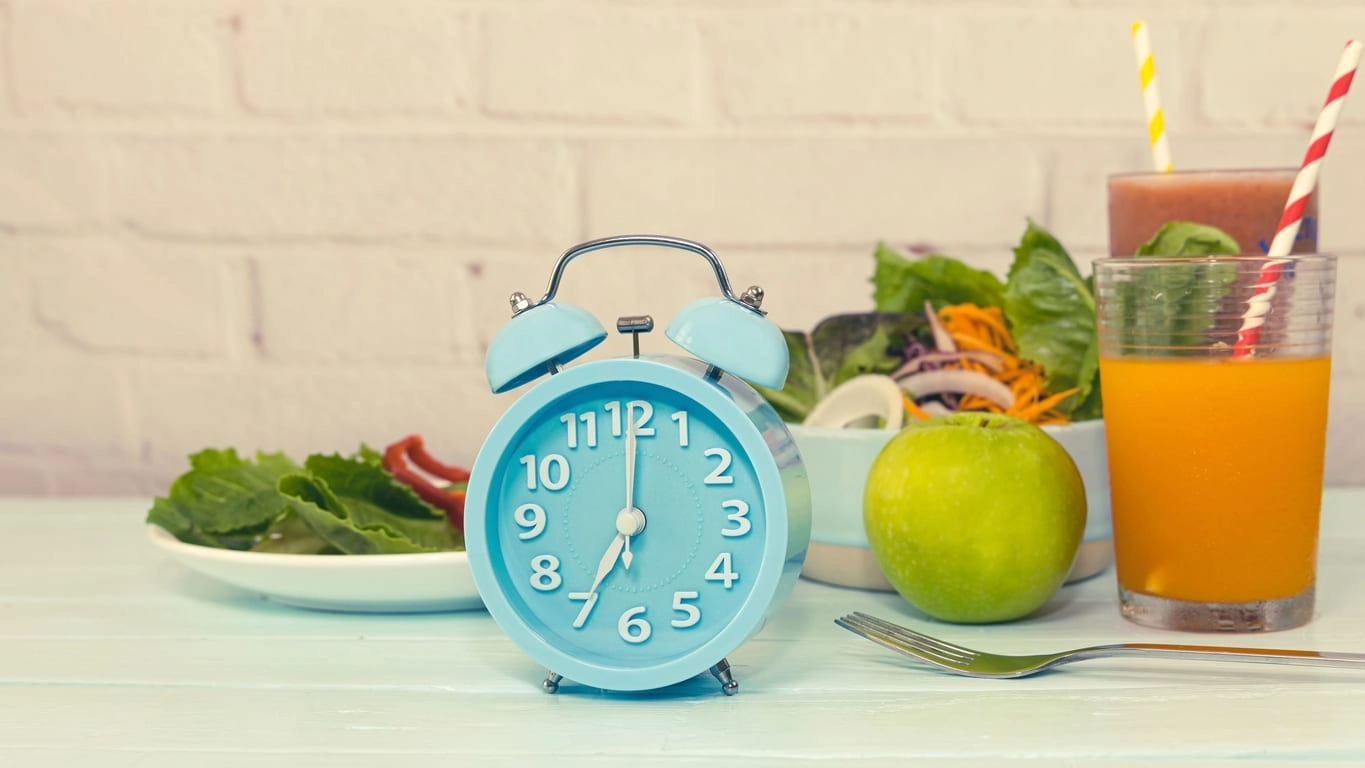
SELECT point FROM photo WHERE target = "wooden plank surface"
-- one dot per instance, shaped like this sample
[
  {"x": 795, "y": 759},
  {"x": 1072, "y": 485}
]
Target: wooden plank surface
[{"x": 112, "y": 654}]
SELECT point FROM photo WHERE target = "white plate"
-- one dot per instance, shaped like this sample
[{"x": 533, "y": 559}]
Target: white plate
[{"x": 434, "y": 581}]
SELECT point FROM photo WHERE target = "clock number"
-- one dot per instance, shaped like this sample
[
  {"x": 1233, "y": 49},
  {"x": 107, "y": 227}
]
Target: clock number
[
  {"x": 720, "y": 475},
  {"x": 632, "y": 628},
  {"x": 681, "y": 418},
  {"x": 532, "y": 518},
  {"x": 553, "y": 471},
  {"x": 589, "y": 600},
  {"x": 545, "y": 573},
  {"x": 589, "y": 420},
  {"x": 740, "y": 517},
  {"x": 614, "y": 409},
  {"x": 646, "y": 409},
  {"x": 691, "y": 613},
  {"x": 642, "y": 411},
  {"x": 722, "y": 570},
  {"x": 529, "y": 461},
  {"x": 571, "y": 421}
]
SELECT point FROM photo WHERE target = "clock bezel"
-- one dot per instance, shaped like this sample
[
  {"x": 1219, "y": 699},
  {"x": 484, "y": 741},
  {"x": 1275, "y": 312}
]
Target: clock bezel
[{"x": 783, "y": 547}]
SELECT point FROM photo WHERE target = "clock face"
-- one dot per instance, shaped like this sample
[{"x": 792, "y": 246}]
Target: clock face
[{"x": 628, "y": 526}]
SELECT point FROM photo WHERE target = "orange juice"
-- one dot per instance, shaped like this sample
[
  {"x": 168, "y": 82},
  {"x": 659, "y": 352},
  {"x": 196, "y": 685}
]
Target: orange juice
[{"x": 1215, "y": 468}]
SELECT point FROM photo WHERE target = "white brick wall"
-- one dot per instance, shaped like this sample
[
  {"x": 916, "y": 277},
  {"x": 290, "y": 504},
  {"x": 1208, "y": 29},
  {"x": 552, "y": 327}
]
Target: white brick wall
[
  {"x": 797, "y": 67},
  {"x": 50, "y": 180},
  {"x": 790, "y": 192},
  {"x": 1234, "y": 85},
  {"x": 293, "y": 224},
  {"x": 148, "y": 57},
  {"x": 356, "y": 58},
  {"x": 239, "y": 184},
  {"x": 594, "y": 63}
]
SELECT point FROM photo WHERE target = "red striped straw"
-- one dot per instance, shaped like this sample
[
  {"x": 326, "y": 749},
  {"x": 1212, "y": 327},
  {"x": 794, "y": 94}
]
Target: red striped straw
[{"x": 1304, "y": 184}]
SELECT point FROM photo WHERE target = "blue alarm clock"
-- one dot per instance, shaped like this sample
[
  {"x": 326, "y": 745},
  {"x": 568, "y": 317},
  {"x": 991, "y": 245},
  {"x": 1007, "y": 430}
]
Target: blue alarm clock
[{"x": 631, "y": 521}]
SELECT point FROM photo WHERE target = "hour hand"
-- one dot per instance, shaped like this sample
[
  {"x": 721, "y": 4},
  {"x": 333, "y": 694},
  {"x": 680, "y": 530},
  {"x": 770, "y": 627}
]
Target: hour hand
[
  {"x": 629, "y": 522},
  {"x": 608, "y": 560}
]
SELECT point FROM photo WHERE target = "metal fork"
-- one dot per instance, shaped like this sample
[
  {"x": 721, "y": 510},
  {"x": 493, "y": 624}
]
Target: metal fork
[{"x": 973, "y": 663}]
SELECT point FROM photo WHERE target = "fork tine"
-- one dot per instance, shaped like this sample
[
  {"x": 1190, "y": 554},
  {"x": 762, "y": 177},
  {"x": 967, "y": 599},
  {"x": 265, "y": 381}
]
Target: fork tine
[
  {"x": 931, "y": 644},
  {"x": 883, "y": 633},
  {"x": 894, "y": 634},
  {"x": 850, "y": 623}
]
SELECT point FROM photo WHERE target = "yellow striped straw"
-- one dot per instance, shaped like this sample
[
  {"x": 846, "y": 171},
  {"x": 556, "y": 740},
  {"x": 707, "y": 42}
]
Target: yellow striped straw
[{"x": 1156, "y": 123}]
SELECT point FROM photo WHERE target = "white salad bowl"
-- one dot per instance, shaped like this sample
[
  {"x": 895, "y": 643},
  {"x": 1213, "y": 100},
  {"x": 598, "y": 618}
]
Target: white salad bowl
[
  {"x": 407, "y": 583},
  {"x": 837, "y": 462}
]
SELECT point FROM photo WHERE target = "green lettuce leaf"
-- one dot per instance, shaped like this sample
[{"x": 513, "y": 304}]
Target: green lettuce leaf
[
  {"x": 292, "y": 535},
  {"x": 1183, "y": 318},
  {"x": 1051, "y": 311},
  {"x": 837, "y": 349},
  {"x": 224, "y": 500},
  {"x": 903, "y": 285},
  {"x": 1184, "y": 238},
  {"x": 361, "y": 510},
  {"x": 368, "y": 455},
  {"x": 330, "y": 505}
]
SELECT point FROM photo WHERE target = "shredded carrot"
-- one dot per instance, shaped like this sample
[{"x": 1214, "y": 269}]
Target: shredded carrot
[
  {"x": 913, "y": 409},
  {"x": 984, "y": 329}
]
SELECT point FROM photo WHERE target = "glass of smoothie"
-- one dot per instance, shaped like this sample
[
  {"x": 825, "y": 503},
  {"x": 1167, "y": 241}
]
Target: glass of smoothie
[
  {"x": 1215, "y": 435},
  {"x": 1246, "y": 204}
]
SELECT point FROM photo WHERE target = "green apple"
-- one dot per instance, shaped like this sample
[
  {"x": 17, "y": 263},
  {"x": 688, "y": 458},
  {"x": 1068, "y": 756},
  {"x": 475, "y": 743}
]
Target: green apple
[{"x": 974, "y": 517}]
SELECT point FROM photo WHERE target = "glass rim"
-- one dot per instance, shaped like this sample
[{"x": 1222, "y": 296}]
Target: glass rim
[
  {"x": 1238, "y": 171},
  {"x": 1297, "y": 259}
]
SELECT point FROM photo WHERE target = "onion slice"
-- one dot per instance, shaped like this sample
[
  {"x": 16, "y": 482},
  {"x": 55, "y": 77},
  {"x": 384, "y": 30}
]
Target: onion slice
[
  {"x": 860, "y": 401},
  {"x": 928, "y": 383},
  {"x": 943, "y": 341},
  {"x": 935, "y": 408},
  {"x": 995, "y": 363}
]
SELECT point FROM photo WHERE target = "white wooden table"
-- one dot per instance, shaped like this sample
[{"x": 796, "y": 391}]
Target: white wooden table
[{"x": 113, "y": 655}]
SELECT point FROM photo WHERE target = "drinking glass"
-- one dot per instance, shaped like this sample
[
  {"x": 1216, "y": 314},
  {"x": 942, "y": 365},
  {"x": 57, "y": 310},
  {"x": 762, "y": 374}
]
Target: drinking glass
[
  {"x": 1246, "y": 204},
  {"x": 1215, "y": 373}
]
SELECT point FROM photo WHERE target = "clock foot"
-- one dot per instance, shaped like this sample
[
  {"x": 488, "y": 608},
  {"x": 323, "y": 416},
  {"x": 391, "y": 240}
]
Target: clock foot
[
  {"x": 728, "y": 684},
  {"x": 551, "y": 684}
]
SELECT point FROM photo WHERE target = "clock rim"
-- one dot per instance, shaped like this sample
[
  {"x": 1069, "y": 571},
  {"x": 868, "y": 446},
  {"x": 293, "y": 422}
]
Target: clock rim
[{"x": 683, "y": 375}]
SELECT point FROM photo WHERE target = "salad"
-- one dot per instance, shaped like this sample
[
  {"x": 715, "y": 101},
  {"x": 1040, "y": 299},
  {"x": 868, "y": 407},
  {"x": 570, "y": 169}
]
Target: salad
[
  {"x": 956, "y": 338},
  {"x": 365, "y": 503}
]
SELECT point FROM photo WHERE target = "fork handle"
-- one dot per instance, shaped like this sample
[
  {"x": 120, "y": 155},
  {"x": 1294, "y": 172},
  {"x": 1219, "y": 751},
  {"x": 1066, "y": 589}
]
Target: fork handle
[{"x": 1230, "y": 653}]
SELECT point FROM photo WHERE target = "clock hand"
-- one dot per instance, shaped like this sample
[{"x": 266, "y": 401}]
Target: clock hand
[
  {"x": 626, "y": 556},
  {"x": 608, "y": 560},
  {"x": 628, "y": 523}
]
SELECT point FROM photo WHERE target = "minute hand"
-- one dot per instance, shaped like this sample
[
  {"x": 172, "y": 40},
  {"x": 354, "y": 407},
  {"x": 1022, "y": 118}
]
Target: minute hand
[
  {"x": 627, "y": 557},
  {"x": 630, "y": 464}
]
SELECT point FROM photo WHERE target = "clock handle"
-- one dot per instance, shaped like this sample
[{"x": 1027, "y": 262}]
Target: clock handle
[
  {"x": 752, "y": 298},
  {"x": 730, "y": 333}
]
